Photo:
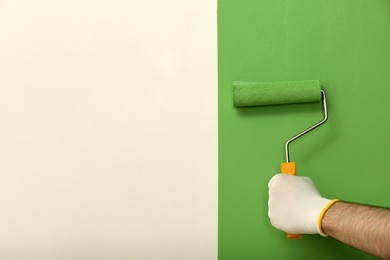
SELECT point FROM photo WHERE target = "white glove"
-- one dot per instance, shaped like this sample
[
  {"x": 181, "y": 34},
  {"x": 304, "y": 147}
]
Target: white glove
[{"x": 295, "y": 205}]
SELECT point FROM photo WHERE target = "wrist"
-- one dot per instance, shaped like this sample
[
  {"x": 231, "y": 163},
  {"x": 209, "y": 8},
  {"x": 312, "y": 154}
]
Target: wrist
[
  {"x": 332, "y": 216},
  {"x": 321, "y": 216}
]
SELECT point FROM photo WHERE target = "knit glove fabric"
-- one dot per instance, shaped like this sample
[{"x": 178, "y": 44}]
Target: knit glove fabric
[{"x": 295, "y": 205}]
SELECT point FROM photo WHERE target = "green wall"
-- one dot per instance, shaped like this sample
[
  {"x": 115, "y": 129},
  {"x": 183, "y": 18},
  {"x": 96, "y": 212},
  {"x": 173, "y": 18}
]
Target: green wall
[{"x": 346, "y": 45}]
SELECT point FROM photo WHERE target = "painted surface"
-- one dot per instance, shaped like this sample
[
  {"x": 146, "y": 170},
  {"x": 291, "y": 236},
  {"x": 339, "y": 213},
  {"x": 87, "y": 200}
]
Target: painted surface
[
  {"x": 344, "y": 44},
  {"x": 108, "y": 129}
]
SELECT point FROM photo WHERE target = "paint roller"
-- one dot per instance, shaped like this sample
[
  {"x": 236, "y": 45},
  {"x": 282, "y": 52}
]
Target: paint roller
[{"x": 246, "y": 94}]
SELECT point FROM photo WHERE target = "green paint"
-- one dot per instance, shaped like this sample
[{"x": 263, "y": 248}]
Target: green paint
[
  {"x": 275, "y": 93},
  {"x": 346, "y": 45}
]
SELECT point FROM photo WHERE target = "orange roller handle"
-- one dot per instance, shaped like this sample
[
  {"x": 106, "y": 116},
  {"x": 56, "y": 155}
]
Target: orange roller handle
[{"x": 290, "y": 168}]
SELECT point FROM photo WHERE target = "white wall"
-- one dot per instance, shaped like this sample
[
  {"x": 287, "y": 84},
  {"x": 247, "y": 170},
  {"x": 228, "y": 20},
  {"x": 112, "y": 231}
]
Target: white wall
[{"x": 108, "y": 129}]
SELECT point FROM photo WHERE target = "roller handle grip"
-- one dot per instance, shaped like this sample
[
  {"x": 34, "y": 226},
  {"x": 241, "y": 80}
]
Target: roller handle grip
[{"x": 290, "y": 168}]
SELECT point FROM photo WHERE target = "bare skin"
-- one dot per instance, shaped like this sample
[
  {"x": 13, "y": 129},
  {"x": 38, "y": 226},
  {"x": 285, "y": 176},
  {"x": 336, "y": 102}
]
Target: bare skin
[{"x": 363, "y": 227}]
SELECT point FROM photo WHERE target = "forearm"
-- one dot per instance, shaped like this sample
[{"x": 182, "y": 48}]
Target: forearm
[{"x": 366, "y": 228}]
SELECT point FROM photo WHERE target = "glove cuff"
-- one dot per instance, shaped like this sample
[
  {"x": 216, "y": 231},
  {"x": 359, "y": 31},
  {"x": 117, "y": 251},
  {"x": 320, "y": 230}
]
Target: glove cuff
[{"x": 322, "y": 213}]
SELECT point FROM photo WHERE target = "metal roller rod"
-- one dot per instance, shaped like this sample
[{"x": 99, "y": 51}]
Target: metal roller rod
[{"x": 310, "y": 128}]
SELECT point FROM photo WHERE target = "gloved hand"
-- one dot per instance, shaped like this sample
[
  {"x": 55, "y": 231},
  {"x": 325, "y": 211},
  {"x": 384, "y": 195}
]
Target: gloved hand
[{"x": 295, "y": 205}]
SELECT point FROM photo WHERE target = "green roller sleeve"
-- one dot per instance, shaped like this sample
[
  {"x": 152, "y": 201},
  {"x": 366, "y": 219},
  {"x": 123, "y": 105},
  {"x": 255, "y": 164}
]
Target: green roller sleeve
[{"x": 275, "y": 93}]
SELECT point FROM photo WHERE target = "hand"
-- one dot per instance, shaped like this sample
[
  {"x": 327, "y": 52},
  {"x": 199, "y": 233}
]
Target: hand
[{"x": 295, "y": 205}]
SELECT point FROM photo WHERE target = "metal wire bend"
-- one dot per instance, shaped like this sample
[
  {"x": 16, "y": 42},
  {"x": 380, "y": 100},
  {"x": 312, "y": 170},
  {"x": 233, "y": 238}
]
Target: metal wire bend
[{"x": 310, "y": 128}]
